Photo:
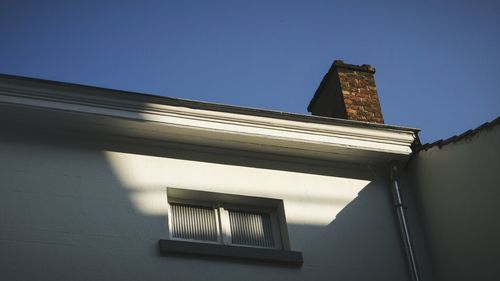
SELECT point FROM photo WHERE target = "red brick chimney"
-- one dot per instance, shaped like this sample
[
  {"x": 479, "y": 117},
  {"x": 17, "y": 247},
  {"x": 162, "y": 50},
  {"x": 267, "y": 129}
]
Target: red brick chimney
[{"x": 348, "y": 91}]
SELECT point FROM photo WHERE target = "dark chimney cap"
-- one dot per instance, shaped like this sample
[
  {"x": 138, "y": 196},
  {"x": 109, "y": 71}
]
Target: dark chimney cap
[{"x": 363, "y": 67}]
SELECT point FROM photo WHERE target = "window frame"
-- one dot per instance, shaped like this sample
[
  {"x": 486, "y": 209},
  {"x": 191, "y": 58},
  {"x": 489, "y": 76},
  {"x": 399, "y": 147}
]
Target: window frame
[{"x": 221, "y": 203}]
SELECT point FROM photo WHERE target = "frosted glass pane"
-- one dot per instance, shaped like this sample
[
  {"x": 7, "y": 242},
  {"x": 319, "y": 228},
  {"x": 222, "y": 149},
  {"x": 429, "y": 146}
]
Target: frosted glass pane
[
  {"x": 253, "y": 229},
  {"x": 193, "y": 222}
]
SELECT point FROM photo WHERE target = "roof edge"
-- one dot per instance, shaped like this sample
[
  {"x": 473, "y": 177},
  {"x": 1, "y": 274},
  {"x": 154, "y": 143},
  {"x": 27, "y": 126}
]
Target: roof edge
[
  {"x": 469, "y": 133},
  {"x": 194, "y": 104},
  {"x": 207, "y": 123}
]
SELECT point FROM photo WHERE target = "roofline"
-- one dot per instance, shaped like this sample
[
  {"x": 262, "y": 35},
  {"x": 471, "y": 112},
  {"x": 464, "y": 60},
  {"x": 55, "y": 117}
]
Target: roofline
[
  {"x": 469, "y": 133},
  {"x": 194, "y": 104},
  {"x": 178, "y": 120}
]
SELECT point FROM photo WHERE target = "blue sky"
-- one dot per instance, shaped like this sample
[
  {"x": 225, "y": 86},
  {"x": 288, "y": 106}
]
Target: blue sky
[{"x": 438, "y": 62}]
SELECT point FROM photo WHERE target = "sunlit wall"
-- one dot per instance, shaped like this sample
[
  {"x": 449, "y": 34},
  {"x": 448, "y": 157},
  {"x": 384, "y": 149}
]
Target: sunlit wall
[{"x": 73, "y": 209}]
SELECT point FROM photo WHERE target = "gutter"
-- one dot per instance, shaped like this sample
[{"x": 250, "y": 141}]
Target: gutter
[
  {"x": 35, "y": 87},
  {"x": 127, "y": 114}
]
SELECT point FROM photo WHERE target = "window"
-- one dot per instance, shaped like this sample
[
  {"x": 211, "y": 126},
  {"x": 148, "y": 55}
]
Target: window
[
  {"x": 225, "y": 225},
  {"x": 223, "y": 222}
]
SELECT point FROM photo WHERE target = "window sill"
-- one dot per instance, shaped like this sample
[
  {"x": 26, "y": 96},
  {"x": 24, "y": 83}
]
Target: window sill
[{"x": 225, "y": 251}]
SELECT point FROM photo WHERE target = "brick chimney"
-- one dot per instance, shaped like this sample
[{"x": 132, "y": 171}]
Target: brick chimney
[{"x": 348, "y": 91}]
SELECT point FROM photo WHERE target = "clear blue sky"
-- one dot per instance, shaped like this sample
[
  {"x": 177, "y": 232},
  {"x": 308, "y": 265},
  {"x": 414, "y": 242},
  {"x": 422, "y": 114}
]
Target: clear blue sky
[{"x": 438, "y": 62}]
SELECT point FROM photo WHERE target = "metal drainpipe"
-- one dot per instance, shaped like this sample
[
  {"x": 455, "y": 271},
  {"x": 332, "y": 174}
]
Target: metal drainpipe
[{"x": 403, "y": 225}]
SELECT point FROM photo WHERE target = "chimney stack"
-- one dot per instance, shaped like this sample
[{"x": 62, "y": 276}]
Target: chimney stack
[{"x": 348, "y": 91}]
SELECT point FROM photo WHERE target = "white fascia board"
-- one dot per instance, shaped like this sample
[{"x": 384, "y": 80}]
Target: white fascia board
[
  {"x": 270, "y": 128},
  {"x": 352, "y": 137}
]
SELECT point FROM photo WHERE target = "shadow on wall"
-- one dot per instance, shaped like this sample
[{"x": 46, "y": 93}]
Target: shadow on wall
[{"x": 65, "y": 214}]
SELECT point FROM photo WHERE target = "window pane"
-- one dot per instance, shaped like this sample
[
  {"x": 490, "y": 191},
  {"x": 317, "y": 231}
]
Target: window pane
[
  {"x": 193, "y": 222},
  {"x": 253, "y": 229}
]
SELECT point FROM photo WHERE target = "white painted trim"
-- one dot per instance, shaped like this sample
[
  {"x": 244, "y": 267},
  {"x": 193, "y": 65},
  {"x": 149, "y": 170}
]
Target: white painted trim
[
  {"x": 225, "y": 226},
  {"x": 219, "y": 126}
]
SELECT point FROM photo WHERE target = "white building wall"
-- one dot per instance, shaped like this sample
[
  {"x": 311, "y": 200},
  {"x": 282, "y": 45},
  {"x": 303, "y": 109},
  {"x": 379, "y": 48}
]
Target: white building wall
[
  {"x": 81, "y": 210},
  {"x": 456, "y": 193}
]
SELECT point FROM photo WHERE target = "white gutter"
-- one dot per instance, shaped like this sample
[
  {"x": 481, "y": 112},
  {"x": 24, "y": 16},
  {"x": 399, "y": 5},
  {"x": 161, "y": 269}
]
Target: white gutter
[{"x": 343, "y": 137}]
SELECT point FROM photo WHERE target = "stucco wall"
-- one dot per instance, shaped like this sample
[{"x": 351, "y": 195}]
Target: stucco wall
[
  {"x": 74, "y": 209},
  {"x": 456, "y": 191}
]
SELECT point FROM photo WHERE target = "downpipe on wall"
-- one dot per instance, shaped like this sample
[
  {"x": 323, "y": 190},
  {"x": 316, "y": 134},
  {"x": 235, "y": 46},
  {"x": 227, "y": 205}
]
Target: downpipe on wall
[{"x": 403, "y": 224}]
